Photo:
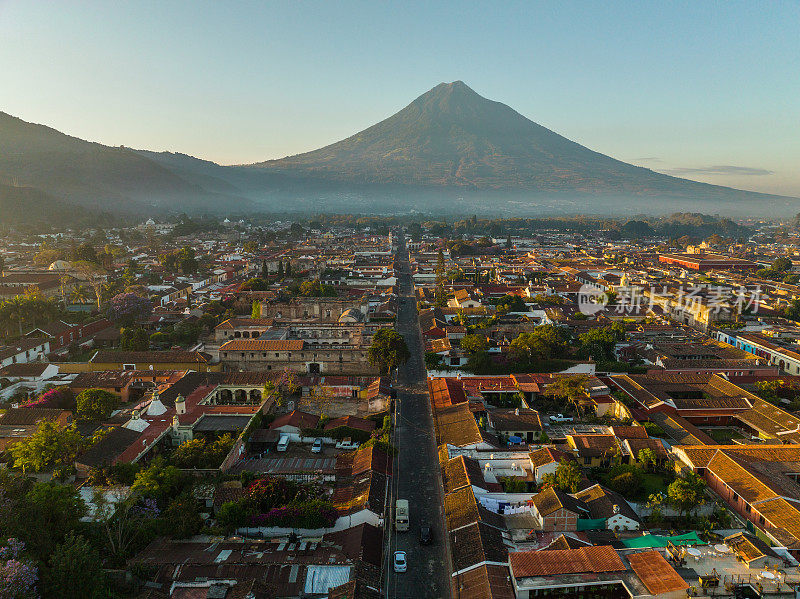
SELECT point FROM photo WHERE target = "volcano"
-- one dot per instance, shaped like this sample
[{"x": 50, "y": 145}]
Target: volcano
[{"x": 452, "y": 137}]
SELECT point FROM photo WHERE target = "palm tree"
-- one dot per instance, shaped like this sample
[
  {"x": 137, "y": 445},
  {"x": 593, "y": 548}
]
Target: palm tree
[
  {"x": 5, "y": 317},
  {"x": 80, "y": 295},
  {"x": 18, "y": 308}
]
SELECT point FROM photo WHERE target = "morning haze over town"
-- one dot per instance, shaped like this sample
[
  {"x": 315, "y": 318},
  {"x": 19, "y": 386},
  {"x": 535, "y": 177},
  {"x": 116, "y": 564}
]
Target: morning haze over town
[{"x": 399, "y": 300}]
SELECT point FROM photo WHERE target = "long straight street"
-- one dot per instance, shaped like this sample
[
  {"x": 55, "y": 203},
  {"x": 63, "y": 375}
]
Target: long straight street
[{"x": 416, "y": 466}]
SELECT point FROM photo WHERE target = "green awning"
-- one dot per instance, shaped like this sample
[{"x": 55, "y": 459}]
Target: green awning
[
  {"x": 645, "y": 541},
  {"x": 591, "y": 524}
]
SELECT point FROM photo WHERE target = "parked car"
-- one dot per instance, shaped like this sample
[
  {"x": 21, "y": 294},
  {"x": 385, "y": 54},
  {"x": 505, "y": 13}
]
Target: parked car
[
  {"x": 560, "y": 418},
  {"x": 425, "y": 536},
  {"x": 347, "y": 444},
  {"x": 317, "y": 446},
  {"x": 400, "y": 564},
  {"x": 283, "y": 444}
]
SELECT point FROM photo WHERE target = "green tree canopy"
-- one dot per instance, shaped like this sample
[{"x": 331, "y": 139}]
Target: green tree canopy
[
  {"x": 159, "y": 480},
  {"x": 567, "y": 476},
  {"x": 388, "y": 350},
  {"x": 782, "y": 264},
  {"x": 511, "y": 303},
  {"x": 473, "y": 344},
  {"x": 50, "y": 445},
  {"x": 96, "y": 404},
  {"x": 75, "y": 571},
  {"x": 686, "y": 493},
  {"x": 569, "y": 388},
  {"x": 542, "y": 343},
  {"x": 134, "y": 339}
]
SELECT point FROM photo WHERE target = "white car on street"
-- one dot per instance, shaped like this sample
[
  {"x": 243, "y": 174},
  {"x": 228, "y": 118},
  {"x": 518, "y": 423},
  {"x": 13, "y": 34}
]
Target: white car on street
[
  {"x": 560, "y": 418},
  {"x": 347, "y": 444},
  {"x": 400, "y": 563}
]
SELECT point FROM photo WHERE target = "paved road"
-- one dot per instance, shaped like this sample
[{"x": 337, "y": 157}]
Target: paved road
[{"x": 416, "y": 467}]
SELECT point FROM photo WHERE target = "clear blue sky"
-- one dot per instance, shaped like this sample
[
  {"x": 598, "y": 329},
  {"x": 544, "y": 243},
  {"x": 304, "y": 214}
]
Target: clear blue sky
[{"x": 694, "y": 88}]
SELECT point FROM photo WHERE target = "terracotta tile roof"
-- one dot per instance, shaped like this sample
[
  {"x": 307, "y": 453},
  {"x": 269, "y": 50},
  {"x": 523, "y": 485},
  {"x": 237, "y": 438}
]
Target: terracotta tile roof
[
  {"x": 351, "y": 422},
  {"x": 629, "y": 432},
  {"x": 593, "y": 445},
  {"x": 460, "y": 472},
  {"x": 24, "y": 369},
  {"x": 604, "y": 503},
  {"x": 681, "y": 430},
  {"x": 548, "y": 455},
  {"x": 454, "y": 475},
  {"x": 461, "y": 509},
  {"x": 444, "y": 454},
  {"x": 744, "y": 546},
  {"x": 445, "y": 392},
  {"x": 489, "y": 384},
  {"x": 297, "y": 419},
  {"x": 772, "y": 420},
  {"x": 656, "y": 573},
  {"x": 24, "y": 416},
  {"x": 148, "y": 357},
  {"x": 566, "y": 561},
  {"x": 565, "y": 542},
  {"x": 237, "y": 322},
  {"x": 527, "y": 383},
  {"x": 483, "y": 582},
  {"x": 365, "y": 491},
  {"x": 685, "y": 391},
  {"x": 262, "y": 345},
  {"x": 511, "y": 420},
  {"x": 634, "y": 446},
  {"x": 698, "y": 456},
  {"x": 109, "y": 448},
  {"x": 369, "y": 458},
  {"x": 476, "y": 544},
  {"x": 551, "y": 500},
  {"x": 456, "y": 425}
]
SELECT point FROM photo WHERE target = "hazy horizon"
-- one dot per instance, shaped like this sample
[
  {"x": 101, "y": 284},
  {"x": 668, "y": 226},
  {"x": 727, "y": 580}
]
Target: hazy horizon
[{"x": 702, "y": 92}]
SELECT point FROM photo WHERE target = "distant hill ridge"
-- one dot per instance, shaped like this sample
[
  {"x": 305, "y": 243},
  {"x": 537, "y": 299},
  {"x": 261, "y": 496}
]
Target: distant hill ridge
[{"x": 450, "y": 150}]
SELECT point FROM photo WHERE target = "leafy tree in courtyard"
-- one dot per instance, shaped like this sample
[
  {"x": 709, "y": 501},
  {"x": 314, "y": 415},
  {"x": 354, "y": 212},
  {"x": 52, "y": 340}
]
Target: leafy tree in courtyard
[
  {"x": 473, "y": 344},
  {"x": 134, "y": 339},
  {"x": 542, "y": 343},
  {"x": 625, "y": 479},
  {"x": 233, "y": 514},
  {"x": 686, "y": 493},
  {"x": 75, "y": 571},
  {"x": 568, "y": 388},
  {"x": 647, "y": 458},
  {"x": 50, "y": 445},
  {"x": 255, "y": 311},
  {"x": 511, "y": 303},
  {"x": 96, "y": 404},
  {"x": 567, "y": 476},
  {"x": 159, "y": 480},
  {"x": 125, "y": 519},
  {"x": 388, "y": 350},
  {"x": 599, "y": 343},
  {"x": 782, "y": 264},
  {"x": 182, "y": 517}
]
